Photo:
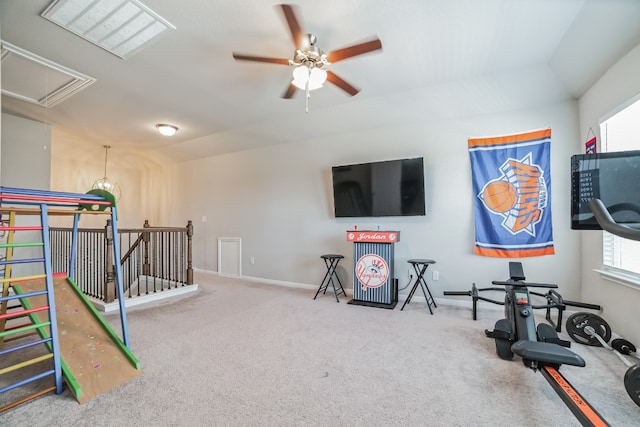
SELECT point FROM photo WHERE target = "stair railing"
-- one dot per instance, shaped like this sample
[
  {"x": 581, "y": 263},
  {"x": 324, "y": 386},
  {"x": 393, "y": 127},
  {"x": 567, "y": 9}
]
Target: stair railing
[{"x": 155, "y": 259}]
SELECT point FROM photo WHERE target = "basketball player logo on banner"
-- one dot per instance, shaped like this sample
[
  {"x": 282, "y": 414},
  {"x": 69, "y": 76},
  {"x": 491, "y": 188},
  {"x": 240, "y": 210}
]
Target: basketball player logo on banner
[{"x": 521, "y": 183}]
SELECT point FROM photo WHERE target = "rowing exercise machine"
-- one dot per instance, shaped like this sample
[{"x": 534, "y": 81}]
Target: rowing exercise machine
[
  {"x": 517, "y": 332},
  {"x": 553, "y": 298},
  {"x": 539, "y": 347}
]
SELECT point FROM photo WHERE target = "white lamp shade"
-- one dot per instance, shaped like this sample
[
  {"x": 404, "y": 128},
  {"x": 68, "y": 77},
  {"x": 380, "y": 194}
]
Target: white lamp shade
[
  {"x": 315, "y": 76},
  {"x": 301, "y": 73}
]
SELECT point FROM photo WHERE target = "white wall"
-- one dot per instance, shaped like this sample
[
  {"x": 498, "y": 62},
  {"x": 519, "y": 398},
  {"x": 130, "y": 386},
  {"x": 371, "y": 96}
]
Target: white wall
[
  {"x": 76, "y": 166},
  {"x": 26, "y": 162},
  {"x": 0, "y": 146},
  {"x": 0, "y": 122},
  {"x": 278, "y": 200},
  {"x": 26, "y": 149},
  {"x": 620, "y": 303},
  {"x": 78, "y": 177}
]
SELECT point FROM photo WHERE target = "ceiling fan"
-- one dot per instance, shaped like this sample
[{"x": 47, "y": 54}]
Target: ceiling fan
[{"x": 311, "y": 64}]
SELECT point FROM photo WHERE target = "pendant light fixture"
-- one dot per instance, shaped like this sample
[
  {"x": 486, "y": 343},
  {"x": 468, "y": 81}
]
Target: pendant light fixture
[{"x": 105, "y": 183}]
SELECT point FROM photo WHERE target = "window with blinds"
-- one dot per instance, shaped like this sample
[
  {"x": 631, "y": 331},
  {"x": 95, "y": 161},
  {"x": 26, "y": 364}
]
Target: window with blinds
[{"x": 621, "y": 132}]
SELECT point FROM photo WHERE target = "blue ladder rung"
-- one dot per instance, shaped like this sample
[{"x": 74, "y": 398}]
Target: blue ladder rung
[
  {"x": 27, "y": 381},
  {"x": 22, "y": 261},
  {"x": 23, "y": 346},
  {"x": 27, "y": 295}
]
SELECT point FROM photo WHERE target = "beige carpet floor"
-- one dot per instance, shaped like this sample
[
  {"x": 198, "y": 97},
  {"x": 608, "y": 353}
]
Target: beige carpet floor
[{"x": 238, "y": 353}]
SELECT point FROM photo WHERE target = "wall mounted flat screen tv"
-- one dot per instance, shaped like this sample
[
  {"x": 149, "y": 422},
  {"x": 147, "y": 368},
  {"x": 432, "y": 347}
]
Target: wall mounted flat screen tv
[
  {"x": 378, "y": 189},
  {"x": 613, "y": 178}
]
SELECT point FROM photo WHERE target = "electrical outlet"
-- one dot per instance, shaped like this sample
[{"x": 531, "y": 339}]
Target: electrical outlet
[
  {"x": 435, "y": 275},
  {"x": 409, "y": 272},
  {"x": 204, "y": 218},
  {"x": 252, "y": 260}
]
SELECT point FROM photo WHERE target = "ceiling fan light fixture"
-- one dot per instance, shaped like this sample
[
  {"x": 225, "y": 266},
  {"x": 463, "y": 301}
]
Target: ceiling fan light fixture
[
  {"x": 167, "y": 130},
  {"x": 315, "y": 76}
]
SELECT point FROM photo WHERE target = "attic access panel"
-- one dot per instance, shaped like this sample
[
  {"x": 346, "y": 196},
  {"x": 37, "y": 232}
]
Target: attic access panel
[{"x": 32, "y": 78}]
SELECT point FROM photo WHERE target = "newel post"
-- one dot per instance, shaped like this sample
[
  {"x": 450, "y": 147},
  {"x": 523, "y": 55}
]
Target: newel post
[
  {"x": 189, "y": 252},
  {"x": 109, "y": 291},
  {"x": 146, "y": 267}
]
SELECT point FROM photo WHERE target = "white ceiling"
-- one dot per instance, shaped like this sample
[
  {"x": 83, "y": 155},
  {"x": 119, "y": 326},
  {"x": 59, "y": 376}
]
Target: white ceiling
[{"x": 440, "y": 59}]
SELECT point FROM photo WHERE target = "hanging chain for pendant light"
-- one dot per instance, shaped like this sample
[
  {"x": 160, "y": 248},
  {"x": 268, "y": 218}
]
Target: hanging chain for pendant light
[{"x": 106, "y": 153}]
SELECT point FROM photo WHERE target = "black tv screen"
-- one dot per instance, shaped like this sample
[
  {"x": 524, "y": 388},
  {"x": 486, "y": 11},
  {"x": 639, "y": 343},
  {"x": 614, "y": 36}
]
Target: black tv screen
[
  {"x": 613, "y": 178},
  {"x": 388, "y": 188}
]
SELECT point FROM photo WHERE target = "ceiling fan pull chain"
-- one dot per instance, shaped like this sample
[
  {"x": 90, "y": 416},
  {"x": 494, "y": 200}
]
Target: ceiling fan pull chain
[{"x": 306, "y": 108}]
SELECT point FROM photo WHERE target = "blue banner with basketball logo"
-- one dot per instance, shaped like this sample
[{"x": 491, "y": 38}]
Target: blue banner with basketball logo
[{"x": 512, "y": 194}]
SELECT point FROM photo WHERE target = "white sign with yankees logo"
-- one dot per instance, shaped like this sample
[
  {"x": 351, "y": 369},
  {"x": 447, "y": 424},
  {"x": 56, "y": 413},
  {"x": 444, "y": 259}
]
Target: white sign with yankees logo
[{"x": 372, "y": 271}]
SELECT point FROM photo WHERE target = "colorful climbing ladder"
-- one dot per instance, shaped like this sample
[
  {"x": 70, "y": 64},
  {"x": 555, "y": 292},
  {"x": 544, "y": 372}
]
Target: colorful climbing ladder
[
  {"x": 6, "y": 252},
  {"x": 34, "y": 293}
]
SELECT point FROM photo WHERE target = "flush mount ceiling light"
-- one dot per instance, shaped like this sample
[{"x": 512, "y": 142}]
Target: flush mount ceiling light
[
  {"x": 121, "y": 27},
  {"x": 167, "y": 130}
]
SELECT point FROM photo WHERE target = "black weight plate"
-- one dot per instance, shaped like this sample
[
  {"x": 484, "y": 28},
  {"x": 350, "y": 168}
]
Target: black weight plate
[
  {"x": 623, "y": 346},
  {"x": 577, "y": 322},
  {"x": 632, "y": 383}
]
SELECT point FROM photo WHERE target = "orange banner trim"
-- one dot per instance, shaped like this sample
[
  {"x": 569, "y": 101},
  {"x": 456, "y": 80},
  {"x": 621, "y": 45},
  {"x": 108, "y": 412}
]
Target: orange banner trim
[{"x": 508, "y": 139}]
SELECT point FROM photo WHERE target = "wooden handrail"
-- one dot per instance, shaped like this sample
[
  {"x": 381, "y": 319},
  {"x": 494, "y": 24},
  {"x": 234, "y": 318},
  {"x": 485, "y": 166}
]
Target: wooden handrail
[{"x": 132, "y": 248}]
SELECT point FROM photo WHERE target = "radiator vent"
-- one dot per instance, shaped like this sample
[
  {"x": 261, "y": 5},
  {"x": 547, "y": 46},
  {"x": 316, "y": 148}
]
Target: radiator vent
[{"x": 121, "y": 27}]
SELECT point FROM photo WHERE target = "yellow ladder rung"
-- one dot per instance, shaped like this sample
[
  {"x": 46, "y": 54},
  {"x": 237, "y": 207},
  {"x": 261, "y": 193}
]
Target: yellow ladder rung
[
  {"x": 25, "y": 363},
  {"x": 23, "y": 278}
]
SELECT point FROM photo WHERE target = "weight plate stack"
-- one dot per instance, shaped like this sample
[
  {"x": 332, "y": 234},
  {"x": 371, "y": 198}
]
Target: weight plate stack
[{"x": 577, "y": 322}]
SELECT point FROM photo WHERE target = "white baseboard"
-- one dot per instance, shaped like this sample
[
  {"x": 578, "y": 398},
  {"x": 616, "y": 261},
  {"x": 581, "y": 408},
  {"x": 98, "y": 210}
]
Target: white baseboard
[
  {"x": 418, "y": 298},
  {"x": 454, "y": 302},
  {"x": 145, "y": 299},
  {"x": 270, "y": 281}
]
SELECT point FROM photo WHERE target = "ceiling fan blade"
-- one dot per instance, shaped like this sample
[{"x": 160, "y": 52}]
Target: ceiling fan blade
[
  {"x": 354, "y": 50},
  {"x": 288, "y": 94},
  {"x": 341, "y": 83},
  {"x": 242, "y": 57},
  {"x": 296, "y": 31}
]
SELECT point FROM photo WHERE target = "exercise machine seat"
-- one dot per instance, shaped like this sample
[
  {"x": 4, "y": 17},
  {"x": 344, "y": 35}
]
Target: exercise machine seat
[{"x": 547, "y": 353}]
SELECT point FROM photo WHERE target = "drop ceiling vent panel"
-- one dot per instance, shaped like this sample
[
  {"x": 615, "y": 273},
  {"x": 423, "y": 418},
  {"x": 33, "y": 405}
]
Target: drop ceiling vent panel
[
  {"x": 120, "y": 27},
  {"x": 37, "y": 80}
]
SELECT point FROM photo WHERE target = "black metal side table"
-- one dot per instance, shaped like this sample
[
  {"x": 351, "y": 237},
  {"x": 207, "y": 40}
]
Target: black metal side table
[
  {"x": 331, "y": 261},
  {"x": 420, "y": 266}
]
